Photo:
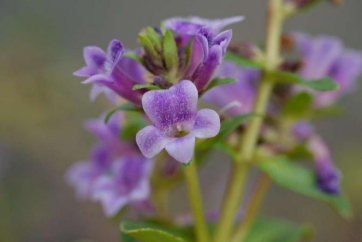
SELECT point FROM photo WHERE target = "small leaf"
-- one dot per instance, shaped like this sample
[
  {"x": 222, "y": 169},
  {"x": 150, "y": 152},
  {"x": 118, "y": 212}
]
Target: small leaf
[
  {"x": 219, "y": 81},
  {"x": 229, "y": 125},
  {"x": 227, "y": 149},
  {"x": 133, "y": 56},
  {"x": 124, "y": 107},
  {"x": 134, "y": 123},
  {"x": 299, "y": 179},
  {"x": 147, "y": 45},
  {"x": 298, "y": 106},
  {"x": 170, "y": 51},
  {"x": 189, "y": 53},
  {"x": 146, "y": 233},
  {"x": 327, "y": 112},
  {"x": 323, "y": 85},
  {"x": 146, "y": 86},
  {"x": 277, "y": 230},
  {"x": 154, "y": 37},
  {"x": 242, "y": 61}
]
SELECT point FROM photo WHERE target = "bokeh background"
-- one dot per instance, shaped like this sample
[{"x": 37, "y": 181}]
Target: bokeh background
[{"x": 42, "y": 108}]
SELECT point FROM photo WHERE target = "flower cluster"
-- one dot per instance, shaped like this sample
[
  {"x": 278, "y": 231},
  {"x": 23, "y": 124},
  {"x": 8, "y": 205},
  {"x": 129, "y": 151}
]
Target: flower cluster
[
  {"x": 179, "y": 58},
  {"x": 116, "y": 173},
  {"x": 158, "y": 88}
]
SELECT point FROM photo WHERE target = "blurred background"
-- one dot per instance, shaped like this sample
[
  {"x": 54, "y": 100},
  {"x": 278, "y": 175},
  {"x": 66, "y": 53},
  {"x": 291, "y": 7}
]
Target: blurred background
[{"x": 42, "y": 109}]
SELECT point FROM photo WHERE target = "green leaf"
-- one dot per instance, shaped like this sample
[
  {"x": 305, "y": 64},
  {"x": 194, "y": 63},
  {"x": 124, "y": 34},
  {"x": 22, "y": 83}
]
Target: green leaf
[
  {"x": 145, "y": 232},
  {"x": 227, "y": 149},
  {"x": 276, "y": 230},
  {"x": 147, "y": 45},
  {"x": 298, "y": 106},
  {"x": 170, "y": 51},
  {"x": 155, "y": 38},
  {"x": 219, "y": 81},
  {"x": 229, "y": 125},
  {"x": 242, "y": 61},
  {"x": 327, "y": 112},
  {"x": 133, "y": 56},
  {"x": 189, "y": 53},
  {"x": 299, "y": 179},
  {"x": 134, "y": 123},
  {"x": 146, "y": 86},
  {"x": 124, "y": 107},
  {"x": 323, "y": 85}
]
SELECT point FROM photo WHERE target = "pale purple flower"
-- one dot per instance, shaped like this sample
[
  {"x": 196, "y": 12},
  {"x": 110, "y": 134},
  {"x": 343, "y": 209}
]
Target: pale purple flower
[
  {"x": 176, "y": 122},
  {"x": 236, "y": 98},
  {"x": 109, "y": 133},
  {"x": 328, "y": 176},
  {"x": 82, "y": 175},
  {"x": 326, "y": 56},
  {"x": 111, "y": 72},
  {"x": 209, "y": 46},
  {"x": 192, "y": 25},
  {"x": 303, "y": 130},
  {"x": 127, "y": 183}
]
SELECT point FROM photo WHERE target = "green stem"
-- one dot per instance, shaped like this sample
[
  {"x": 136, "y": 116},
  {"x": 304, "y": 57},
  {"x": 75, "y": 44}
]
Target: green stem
[
  {"x": 253, "y": 209},
  {"x": 195, "y": 200},
  {"x": 240, "y": 170}
]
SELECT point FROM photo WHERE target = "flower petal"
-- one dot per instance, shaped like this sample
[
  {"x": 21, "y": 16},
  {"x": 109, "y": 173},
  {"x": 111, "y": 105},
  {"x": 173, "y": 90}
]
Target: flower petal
[
  {"x": 192, "y": 24},
  {"x": 151, "y": 141},
  {"x": 94, "y": 57},
  {"x": 86, "y": 71},
  {"x": 325, "y": 51},
  {"x": 115, "y": 51},
  {"x": 302, "y": 42},
  {"x": 203, "y": 74},
  {"x": 223, "y": 39},
  {"x": 112, "y": 205},
  {"x": 240, "y": 93},
  {"x": 207, "y": 124},
  {"x": 173, "y": 107},
  {"x": 182, "y": 149}
]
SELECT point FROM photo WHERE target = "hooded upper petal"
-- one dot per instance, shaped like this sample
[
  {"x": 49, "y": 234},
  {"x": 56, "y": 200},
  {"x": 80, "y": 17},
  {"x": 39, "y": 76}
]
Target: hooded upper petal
[{"x": 191, "y": 25}]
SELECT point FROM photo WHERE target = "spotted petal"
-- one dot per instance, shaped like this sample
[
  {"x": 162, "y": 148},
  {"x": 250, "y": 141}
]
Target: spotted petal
[{"x": 172, "y": 109}]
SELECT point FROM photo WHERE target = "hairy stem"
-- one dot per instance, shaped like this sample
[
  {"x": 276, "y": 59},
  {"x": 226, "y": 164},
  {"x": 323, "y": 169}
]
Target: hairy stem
[
  {"x": 240, "y": 170},
  {"x": 195, "y": 201}
]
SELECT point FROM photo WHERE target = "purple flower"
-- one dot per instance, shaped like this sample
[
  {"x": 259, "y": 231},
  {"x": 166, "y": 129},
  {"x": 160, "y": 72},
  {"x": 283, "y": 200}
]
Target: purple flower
[
  {"x": 328, "y": 176},
  {"x": 82, "y": 175},
  {"x": 192, "y": 25},
  {"x": 176, "y": 122},
  {"x": 325, "y": 56},
  {"x": 109, "y": 133},
  {"x": 236, "y": 98},
  {"x": 127, "y": 183},
  {"x": 303, "y": 130},
  {"x": 111, "y": 72},
  {"x": 209, "y": 46}
]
